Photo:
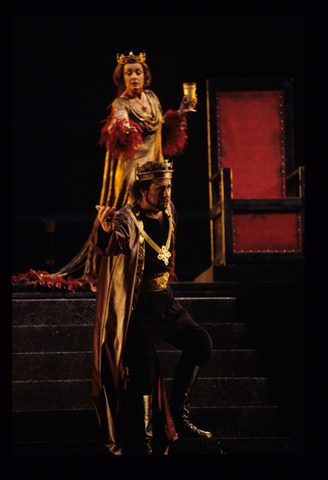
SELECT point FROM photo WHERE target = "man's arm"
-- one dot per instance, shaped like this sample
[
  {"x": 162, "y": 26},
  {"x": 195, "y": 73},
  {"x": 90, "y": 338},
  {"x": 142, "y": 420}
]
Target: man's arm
[
  {"x": 114, "y": 235},
  {"x": 106, "y": 217}
]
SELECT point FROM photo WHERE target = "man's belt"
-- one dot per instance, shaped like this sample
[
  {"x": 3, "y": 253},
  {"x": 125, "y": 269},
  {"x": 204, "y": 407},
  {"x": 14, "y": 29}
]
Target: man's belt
[{"x": 156, "y": 282}]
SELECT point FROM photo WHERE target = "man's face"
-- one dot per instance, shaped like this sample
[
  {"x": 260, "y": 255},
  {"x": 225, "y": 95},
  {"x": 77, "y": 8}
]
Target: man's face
[{"x": 158, "y": 195}]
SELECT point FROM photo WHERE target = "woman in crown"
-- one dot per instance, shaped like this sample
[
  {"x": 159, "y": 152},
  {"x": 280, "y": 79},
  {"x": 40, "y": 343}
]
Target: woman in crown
[{"x": 136, "y": 131}]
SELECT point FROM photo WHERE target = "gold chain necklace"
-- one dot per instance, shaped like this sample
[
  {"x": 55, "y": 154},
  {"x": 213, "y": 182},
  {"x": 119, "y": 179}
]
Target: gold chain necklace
[{"x": 163, "y": 253}]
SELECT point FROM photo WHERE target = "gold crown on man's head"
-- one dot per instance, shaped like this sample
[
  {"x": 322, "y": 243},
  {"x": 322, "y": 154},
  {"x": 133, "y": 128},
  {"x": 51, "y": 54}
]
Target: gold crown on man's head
[
  {"x": 122, "y": 59},
  {"x": 152, "y": 170}
]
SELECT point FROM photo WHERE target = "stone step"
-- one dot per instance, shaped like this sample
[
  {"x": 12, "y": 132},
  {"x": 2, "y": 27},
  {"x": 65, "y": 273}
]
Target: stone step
[
  {"x": 247, "y": 273},
  {"x": 211, "y": 309},
  {"x": 51, "y": 366},
  {"x": 227, "y": 421},
  {"x": 51, "y": 395},
  {"x": 80, "y": 311},
  {"x": 77, "y": 394},
  {"x": 231, "y": 446},
  {"x": 237, "y": 430},
  {"x": 211, "y": 446},
  {"x": 73, "y": 425},
  {"x": 53, "y": 311},
  {"x": 60, "y": 447},
  {"x": 77, "y": 365},
  {"x": 227, "y": 391},
  {"x": 55, "y": 425},
  {"x": 223, "y": 363},
  {"x": 52, "y": 338},
  {"x": 223, "y": 335},
  {"x": 206, "y": 289},
  {"x": 70, "y": 338}
]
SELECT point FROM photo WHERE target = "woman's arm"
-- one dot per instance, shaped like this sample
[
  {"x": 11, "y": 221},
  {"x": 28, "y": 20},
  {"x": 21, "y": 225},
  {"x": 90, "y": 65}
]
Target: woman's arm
[{"x": 120, "y": 135}]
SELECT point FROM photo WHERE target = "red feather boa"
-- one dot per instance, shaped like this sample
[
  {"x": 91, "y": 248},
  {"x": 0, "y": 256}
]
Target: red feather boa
[
  {"x": 82, "y": 284},
  {"x": 174, "y": 137},
  {"x": 44, "y": 279},
  {"x": 119, "y": 142}
]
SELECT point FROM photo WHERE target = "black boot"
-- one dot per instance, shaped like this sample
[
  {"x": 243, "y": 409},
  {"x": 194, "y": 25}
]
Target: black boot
[
  {"x": 148, "y": 439},
  {"x": 136, "y": 426},
  {"x": 180, "y": 401}
]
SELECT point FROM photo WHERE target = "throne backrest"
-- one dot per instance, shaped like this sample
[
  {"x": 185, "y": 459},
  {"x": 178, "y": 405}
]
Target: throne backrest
[{"x": 254, "y": 137}]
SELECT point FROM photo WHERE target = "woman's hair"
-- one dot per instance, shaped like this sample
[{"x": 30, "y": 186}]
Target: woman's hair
[{"x": 118, "y": 76}]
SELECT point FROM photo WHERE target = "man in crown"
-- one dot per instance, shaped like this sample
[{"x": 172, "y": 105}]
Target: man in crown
[{"x": 135, "y": 308}]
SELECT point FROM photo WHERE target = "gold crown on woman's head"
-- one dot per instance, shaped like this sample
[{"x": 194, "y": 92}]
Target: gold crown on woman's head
[
  {"x": 122, "y": 59},
  {"x": 152, "y": 170}
]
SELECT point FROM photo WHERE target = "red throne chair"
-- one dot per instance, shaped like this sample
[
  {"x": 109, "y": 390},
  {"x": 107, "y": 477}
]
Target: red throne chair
[{"x": 256, "y": 195}]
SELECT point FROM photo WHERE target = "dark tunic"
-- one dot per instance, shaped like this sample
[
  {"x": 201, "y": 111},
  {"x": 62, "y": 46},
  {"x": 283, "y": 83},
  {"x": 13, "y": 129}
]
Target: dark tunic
[{"x": 158, "y": 315}]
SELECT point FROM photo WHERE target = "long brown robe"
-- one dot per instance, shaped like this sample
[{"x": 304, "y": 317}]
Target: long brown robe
[{"x": 119, "y": 282}]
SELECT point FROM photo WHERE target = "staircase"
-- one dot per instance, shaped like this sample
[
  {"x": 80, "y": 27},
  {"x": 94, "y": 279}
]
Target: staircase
[
  {"x": 51, "y": 377},
  {"x": 230, "y": 398}
]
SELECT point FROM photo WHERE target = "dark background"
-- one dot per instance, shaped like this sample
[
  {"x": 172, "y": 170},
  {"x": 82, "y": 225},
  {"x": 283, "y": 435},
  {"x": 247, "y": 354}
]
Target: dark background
[{"x": 62, "y": 84}]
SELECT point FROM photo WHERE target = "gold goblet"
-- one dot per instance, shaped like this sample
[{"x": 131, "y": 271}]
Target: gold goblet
[{"x": 189, "y": 90}]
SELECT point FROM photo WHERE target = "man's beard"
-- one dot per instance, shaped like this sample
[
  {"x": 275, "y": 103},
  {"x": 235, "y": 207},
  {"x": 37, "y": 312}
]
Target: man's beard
[{"x": 159, "y": 205}]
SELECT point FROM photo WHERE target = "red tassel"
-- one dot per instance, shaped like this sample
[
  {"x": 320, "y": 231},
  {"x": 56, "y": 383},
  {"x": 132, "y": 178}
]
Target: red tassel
[
  {"x": 124, "y": 374},
  {"x": 173, "y": 277},
  {"x": 174, "y": 137}
]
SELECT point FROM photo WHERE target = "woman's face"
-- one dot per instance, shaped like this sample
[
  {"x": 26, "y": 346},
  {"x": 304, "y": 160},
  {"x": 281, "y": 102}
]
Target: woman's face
[{"x": 134, "y": 78}]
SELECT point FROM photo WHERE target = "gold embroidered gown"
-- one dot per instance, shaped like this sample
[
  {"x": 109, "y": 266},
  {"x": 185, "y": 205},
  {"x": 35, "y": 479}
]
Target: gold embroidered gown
[{"x": 119, "y": 171}]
